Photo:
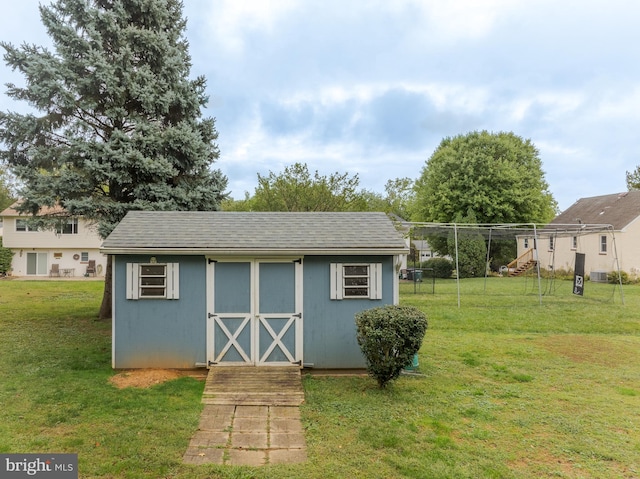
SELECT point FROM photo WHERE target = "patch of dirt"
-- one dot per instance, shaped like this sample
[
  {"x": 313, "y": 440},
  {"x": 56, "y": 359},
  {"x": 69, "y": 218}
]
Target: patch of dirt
[
  {"x": 541, "y": 460},
  {"x": 591, "y": 349},
  {"x": 146, "y": 378}
]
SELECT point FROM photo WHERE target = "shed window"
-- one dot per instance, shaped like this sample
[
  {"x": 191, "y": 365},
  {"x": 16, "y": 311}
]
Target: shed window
[
  {"x": 356, "y": 281},
  {"x": 574, "y": 242},
  {"x": 154, "y": 280}
]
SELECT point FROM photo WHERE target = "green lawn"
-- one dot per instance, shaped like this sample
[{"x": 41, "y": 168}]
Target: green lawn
[{"x": 507, "y": 388}]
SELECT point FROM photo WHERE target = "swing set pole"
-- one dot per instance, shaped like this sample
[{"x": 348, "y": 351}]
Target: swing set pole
[{"x": 535, "y": 250}]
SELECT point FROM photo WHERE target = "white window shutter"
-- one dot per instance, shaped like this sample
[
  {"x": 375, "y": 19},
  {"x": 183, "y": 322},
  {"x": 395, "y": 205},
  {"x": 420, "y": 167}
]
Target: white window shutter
[
  {"x": 132, "y": 281},
  {"x": 173, "y": 280},
  {"x": 336, "y": 272},
  {"x": 375, "y": 281}
]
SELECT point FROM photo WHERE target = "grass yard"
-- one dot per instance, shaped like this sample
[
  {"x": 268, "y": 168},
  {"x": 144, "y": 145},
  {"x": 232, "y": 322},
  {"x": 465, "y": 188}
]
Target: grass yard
[{"x": 506, "y": 388}]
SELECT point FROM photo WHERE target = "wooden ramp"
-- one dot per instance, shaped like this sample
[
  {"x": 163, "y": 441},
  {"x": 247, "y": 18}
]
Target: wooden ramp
[{"x": 254, "y": 386}]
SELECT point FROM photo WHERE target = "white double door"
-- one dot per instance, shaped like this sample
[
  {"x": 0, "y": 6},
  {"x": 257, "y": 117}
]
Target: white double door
[{"x": 254, "y": 312}]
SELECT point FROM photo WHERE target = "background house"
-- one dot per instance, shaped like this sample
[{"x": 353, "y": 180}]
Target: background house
[
  {"x": 235, "y": 288},
  {"x": 590, "y": 226},
  {"x": 419, "y": 248},
  {"x": 424, "y": 251},
  {"x": 71, "y": 247}
]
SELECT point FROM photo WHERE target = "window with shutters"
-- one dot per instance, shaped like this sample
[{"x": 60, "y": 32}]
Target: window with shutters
[
  {"x": 356, "y": 281},
  {"x": 152, "y": 281}
]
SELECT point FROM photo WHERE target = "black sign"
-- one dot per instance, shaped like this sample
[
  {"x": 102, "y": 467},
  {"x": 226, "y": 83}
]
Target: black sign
[{"x": 578, "y": 275}]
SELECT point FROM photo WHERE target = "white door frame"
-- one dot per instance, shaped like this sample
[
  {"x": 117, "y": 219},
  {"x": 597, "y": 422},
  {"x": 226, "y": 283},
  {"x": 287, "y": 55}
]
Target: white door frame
[{"x": 255, "y": 319}]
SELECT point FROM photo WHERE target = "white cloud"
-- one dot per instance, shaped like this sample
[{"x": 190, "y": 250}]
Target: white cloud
[
  {"x": 549, "y": 106},
  {"x": 464, "y": 19},
  {"x": 619, "y": 105},
  {"x": 230, "y": 20}
]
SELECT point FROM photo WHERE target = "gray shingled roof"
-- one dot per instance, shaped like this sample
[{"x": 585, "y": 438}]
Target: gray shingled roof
[
  {"x": 618, "y": 210},
  {"x": 197, "y": 232}
]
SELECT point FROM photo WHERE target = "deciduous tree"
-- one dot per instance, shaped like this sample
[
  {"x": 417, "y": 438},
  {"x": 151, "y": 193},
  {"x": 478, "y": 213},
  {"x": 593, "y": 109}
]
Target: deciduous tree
[
  {"x": 116, "y": 122},
  {"x": 471, "y": 249},
  {"x": 295, "y": 189},
  {"x": 399, "y": 196},
  {"x": 497, "y": 177}
]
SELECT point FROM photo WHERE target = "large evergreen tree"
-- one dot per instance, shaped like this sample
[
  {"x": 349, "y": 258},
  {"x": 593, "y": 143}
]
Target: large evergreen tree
[{"x": 117, "y": 122}]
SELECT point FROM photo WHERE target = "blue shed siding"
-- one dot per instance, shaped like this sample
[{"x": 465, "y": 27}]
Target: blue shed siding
[
  {"x": 329, "y": 325},
  {"x": 159, "y": 333}
]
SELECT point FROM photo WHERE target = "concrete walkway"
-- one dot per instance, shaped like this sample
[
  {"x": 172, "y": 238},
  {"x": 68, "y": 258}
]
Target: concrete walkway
[{"x": 241, "y": 425}]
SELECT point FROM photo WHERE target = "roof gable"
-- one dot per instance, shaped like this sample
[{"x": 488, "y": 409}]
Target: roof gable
[
  {"x": 617, "y": 210},
  {"x": 228, "y": 233}
]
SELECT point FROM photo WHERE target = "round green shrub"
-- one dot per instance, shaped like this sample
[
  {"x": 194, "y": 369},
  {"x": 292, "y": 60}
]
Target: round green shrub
[
  {"x": 442, "y": 268},
  {"x": 389, "y": 337},
  {"x": 612, "y": 277}
]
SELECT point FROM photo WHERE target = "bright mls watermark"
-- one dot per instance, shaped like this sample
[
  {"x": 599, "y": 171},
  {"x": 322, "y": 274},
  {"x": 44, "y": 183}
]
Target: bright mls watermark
[{"x": 47, "y": 466}]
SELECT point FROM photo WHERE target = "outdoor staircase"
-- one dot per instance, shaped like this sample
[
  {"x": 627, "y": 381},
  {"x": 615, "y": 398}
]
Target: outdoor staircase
[{"x": 523, "y": 268}]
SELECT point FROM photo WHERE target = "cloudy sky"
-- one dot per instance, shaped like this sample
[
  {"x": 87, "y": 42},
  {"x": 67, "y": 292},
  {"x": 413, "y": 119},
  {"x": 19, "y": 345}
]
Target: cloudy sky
[{"x": 372, "y": 86}]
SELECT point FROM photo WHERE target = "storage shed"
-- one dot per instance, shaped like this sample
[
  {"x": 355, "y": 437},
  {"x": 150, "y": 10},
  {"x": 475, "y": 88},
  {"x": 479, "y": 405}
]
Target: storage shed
[{"x": 199, "y": 289}]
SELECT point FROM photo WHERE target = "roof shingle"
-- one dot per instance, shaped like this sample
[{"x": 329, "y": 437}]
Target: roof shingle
[
  {"x": 617, "y": 210},
  {"x": 259, "y": 232}
]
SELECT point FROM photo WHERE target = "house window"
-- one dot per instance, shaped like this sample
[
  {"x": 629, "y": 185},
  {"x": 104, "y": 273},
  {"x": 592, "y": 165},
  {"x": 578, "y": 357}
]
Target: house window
[
  {"x": 526, "y": 243},
  {"x": 574, "y": 242},
  {"x": 603, "y": 244},
  {"x": 153, "y": 281},
  {"x": 551, "y": 238},
  {"x": 22, "y": 225},
  {"x": 356, "y": 281},
  {"x": 69, "y": 228},
  {"x": 84, "y": 256}
]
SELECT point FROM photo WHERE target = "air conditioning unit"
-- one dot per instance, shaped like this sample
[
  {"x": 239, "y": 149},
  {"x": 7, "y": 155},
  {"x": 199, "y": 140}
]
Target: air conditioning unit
[{"x": 598, "y": 276}]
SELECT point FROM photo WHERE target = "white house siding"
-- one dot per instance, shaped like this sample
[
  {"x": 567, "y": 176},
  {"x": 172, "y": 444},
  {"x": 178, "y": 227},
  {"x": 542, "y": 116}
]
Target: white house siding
[
  {"x": 54, "y": 248},
  {"x": 628, "y": 242},
  {"x": 563, "y": 256}
]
